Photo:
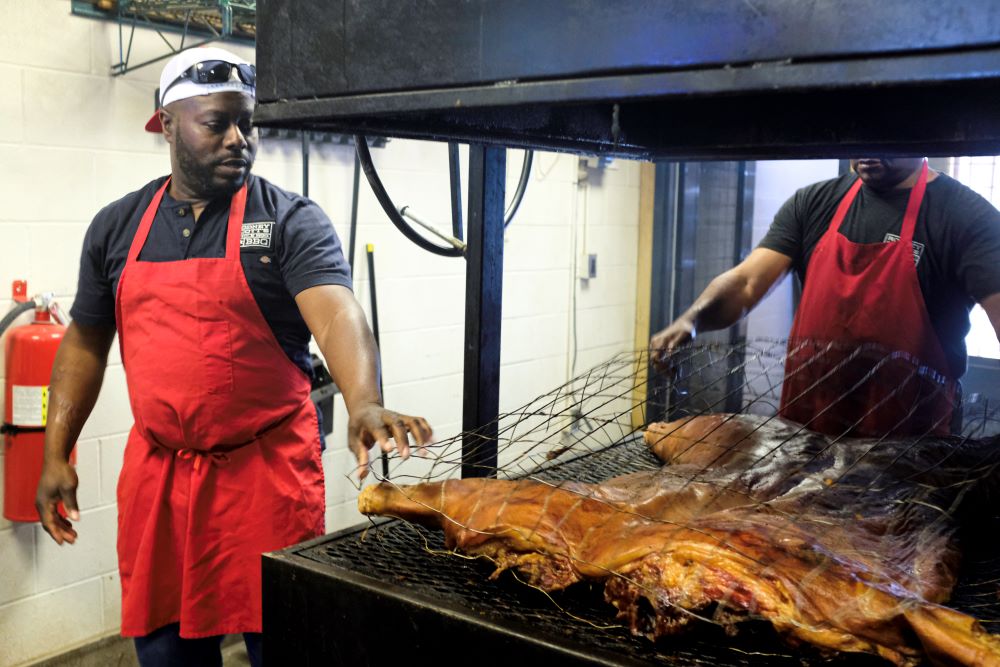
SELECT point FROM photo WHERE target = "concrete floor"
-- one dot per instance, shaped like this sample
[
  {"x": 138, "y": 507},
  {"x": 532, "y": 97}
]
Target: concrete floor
[
  {"x": 116, "y": 651},
  {"x": 235, "y": 655}
]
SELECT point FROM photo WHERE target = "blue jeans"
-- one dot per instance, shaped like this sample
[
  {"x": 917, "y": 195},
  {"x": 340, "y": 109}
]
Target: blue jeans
[{"x": 164, "y": 647}]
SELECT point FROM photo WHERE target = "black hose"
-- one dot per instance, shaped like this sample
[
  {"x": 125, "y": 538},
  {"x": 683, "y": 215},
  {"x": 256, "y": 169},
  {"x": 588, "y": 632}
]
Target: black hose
[
  {"x": 354, "y": 211},
  {"x": 365, "y": 158},
  {"x": 16, "y": 312},
  {"x": 455, "y": 177},
  {"x": 522, "y": 184},
  {"x": 361, "y": 143}
]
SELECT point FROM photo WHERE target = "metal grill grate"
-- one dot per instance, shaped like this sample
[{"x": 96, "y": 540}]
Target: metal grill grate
[
  {"x": 586, "y": 432},
  {"x": 406, "y": 555},
  {"x": 414, "y": 558}
]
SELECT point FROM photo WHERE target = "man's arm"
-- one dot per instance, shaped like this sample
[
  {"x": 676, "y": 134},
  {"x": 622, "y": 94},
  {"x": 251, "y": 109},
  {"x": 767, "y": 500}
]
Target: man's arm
[
  {"x": 991, "y": 305},
  {"x": 337, "y": 322},
  {"x": 76, "y": 381},
  {"x": 727, "y": 298}
]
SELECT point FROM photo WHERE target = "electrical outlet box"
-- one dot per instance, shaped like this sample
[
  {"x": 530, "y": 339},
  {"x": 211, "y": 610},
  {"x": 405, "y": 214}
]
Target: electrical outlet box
[{"x": 586, "y": 268}]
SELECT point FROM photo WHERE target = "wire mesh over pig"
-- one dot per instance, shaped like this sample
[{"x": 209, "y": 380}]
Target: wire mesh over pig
[{"x": 841, "y": 543}]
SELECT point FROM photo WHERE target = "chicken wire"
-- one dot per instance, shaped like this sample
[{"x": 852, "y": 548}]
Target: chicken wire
[{"x": 910, "y": 494}]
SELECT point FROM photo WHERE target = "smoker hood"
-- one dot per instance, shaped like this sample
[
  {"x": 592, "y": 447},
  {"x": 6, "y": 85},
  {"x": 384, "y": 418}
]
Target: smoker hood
[{"x": 650, "y": 79}]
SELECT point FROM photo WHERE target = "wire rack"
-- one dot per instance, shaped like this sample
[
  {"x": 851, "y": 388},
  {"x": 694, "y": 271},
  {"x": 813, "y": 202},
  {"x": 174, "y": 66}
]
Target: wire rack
[
  {"x": 589, "y": 431},
  {"x": 415, "y": 558}
]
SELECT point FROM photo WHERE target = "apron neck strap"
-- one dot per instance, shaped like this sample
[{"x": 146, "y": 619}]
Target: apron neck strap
[
  {"x": 234, "y": 228},
  {"x": 844, "y": 206},
  {"x": 237, "y": 207},
  {"x": 912, "y": 206},
  {"x": 146, "y": 223}
]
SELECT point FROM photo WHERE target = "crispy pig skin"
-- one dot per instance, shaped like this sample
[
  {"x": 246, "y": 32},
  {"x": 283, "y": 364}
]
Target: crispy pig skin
[{"x": 847, "y": 545}]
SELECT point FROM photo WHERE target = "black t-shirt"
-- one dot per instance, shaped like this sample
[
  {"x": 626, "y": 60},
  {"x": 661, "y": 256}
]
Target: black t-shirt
[
  {"x": 956, "y": 243},
  {"x": 287, "y": 245}
]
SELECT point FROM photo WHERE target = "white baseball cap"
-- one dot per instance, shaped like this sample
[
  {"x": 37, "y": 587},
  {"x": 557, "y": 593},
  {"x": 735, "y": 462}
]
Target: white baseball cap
[{"x": 177, "y": 84}]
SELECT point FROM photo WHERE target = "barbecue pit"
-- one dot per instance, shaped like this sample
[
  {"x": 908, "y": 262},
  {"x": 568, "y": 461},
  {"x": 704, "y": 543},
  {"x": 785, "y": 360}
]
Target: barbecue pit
[
  {"x": 664, "y": 80},
  {"x": 324, "y": 598}
]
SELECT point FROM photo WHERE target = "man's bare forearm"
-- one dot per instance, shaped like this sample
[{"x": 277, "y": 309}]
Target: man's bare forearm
[
  {"x": 338, "y": 324},
  {"x": 733, "y": 294},
  {"x": 76, "y": 382},
  {"x": 720, "y": 305},
  {"x": 349, "y": 349},
  {"x": 726, "y": 299},
  {"x": 991, "y": 305}
]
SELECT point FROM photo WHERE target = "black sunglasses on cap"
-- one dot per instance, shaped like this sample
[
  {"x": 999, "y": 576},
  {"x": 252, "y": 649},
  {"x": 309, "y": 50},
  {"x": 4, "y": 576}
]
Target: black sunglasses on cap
[{"x": 215, "y": 71}]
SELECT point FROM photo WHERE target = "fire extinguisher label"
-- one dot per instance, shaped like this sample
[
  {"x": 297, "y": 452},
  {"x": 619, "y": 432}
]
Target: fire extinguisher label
[{"x": 30, "y": 405}]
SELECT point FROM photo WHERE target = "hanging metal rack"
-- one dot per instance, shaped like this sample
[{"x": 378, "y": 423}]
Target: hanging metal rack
[{"x": 198, "y": 22}]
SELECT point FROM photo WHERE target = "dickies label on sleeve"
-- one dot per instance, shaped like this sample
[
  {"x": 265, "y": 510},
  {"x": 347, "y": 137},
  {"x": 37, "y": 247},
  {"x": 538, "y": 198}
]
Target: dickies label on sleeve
[{"x": 256, "y": 235}]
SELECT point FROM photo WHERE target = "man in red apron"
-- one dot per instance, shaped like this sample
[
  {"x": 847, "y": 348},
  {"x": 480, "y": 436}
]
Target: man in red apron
[
  {"x": 892, "y": 256},
  {"x": 214, "y": 280}
]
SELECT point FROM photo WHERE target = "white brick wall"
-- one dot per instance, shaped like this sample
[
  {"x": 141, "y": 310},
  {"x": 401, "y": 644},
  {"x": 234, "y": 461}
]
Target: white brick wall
[
  {"x": 52, "y": 622},
  {"x": 71, "y": 141}
]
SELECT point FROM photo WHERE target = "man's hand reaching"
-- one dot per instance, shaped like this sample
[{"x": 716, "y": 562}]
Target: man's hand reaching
[
  {"x": 665, "y": 342},
  {"x": 371, "y": 424}
]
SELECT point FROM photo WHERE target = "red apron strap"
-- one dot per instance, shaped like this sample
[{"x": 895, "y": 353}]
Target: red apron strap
[
  {"x": 237, "y": 206},
  {"x": 146, "y": 223},
  {"x": 913, "y": 208},
  {"x": 844, "y": 206}
]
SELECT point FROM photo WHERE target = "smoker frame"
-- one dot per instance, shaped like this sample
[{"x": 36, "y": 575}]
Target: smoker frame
[
  {"x": 656, "y": 79},
  {"x": 324, "y": 597},
  {"x": 296, "y": 586},
  {"x": 647, "y": 79}
]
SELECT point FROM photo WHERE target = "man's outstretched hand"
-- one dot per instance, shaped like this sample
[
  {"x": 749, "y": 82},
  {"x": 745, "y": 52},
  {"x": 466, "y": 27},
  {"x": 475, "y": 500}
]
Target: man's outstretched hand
[
  {"x": 372, "y": 424},
  {"x": 667, "y": 341}
]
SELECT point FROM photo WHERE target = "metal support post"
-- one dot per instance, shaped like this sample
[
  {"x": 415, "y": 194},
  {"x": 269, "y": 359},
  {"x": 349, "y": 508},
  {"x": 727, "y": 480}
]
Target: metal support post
[
  {"x": 378, "y": 341},
  {"x": 455, "y": 177},
  {"x": 483, "y": 290},
  {"x": 354, "y": 211},
  {"x": 305, "y": 163}
]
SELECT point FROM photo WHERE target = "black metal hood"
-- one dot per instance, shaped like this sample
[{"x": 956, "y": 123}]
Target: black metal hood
[{"x": 641, "y": 78}]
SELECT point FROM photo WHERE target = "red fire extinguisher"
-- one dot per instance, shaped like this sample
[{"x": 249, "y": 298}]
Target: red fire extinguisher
[{"x": 29, "y": 356}]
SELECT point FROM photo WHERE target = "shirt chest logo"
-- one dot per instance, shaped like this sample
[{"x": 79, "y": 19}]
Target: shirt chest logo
[
  {"x": 256, "y": 235},
  {"x": 918, "y": 248}
]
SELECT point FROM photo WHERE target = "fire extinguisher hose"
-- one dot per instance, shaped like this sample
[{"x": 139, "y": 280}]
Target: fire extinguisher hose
[{"x": 15, "y": 313}]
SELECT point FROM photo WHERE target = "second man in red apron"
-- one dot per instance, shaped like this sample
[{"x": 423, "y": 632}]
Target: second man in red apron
[{"x": 892, "y": 257}]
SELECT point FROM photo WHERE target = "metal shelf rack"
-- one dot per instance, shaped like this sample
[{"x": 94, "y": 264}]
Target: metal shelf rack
[{"x": 198, "y": 22}]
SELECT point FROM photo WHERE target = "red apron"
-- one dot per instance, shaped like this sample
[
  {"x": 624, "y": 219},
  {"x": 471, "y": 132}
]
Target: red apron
[
  {"x": 863, "y": 357},
  {"x": 223, "y": 460}
]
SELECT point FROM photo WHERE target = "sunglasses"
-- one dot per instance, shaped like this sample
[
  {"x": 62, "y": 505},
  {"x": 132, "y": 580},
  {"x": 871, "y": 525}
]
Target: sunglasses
[{"x": 214, "y": 71}]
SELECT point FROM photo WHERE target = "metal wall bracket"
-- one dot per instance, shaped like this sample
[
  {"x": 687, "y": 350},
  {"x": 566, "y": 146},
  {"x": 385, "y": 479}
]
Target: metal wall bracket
[{"x": 198, "y": 22}]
